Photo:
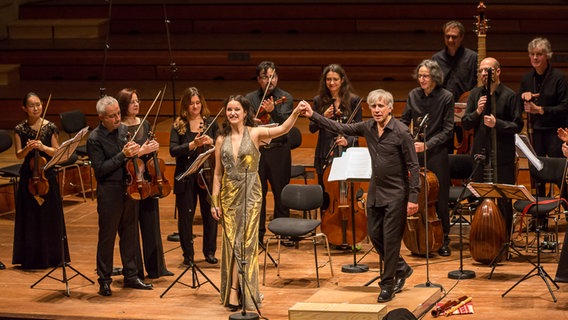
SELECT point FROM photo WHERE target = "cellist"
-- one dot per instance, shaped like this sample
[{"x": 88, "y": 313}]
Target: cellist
[
  {"x": 148, "y": 208},
  {"x": 394, "y": 186},
  {"x": 506, "y": 122}
]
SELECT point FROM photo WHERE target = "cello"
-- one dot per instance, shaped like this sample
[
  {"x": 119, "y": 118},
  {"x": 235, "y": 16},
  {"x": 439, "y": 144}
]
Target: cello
[
  {"x": 488, "y": 232},
  {"x": 415, "y": 237},
  {"x": 38, "y": 184},
  {"x": 159, "y": 185},
  {"x": 343, "y": 225}
]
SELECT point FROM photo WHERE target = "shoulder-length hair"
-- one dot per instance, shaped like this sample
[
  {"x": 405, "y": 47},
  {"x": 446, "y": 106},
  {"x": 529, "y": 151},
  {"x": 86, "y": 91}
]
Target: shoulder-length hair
[
  {"x": 436, "y": 72},
  {"x": 345, "y": 91},
  {"x": 181, "y": 123},
  {"x": 247, "y": 107}
]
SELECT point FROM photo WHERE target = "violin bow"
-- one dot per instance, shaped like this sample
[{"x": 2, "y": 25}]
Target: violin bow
[
  {"x": 159, "y": 108},
  {"x": 43, "y": 116},
  {"x": 147, "y": 113},
  {"x": 351, "y": 116},
  {"x": 264, "y": 95},
  {"x": 214, "y": 119}
]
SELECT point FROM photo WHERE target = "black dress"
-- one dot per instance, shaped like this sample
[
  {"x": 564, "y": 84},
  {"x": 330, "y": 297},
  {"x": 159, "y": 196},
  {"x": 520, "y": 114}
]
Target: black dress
[{"x": 38, "y": 229}]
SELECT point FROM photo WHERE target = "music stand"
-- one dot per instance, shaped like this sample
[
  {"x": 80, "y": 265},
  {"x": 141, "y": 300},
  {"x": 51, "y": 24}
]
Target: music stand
[
  {"x": 195, "y": 283},
  {"x": 62, "y": 154}
]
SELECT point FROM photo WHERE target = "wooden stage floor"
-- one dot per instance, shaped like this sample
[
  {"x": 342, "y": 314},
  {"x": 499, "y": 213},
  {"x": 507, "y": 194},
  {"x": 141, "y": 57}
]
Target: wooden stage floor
[{"x": 531, "y": 299}]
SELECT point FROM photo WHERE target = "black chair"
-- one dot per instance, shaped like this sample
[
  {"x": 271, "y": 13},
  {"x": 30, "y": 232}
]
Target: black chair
[
  {"x": 461, "y": 166},
  {"x": 11, "y": 172},
  {"x": 72, "y": 122},
  {"x": 304, "y": 198},
  {"x": 295, "y": 140},
  {"x": 72, "y": 162},
  {"x": 549, "y": 207}
]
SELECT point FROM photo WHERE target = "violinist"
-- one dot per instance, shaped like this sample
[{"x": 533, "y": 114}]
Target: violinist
[
  {"x": 431, "y": 99},
  {"x": 272, "y": 105},
  {"x": 109, "y": 149},
  {"x": 394, "y": 186},
  {"x": 335, "y": 100},
  {"x": 148, "y": 208},
  {"x": 187, "y": 141},
  {"x": 39, "y": 220},
  {"x": 506, "y": 122}
]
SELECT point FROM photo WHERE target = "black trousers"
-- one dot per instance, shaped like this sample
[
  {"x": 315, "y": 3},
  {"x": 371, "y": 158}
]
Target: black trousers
[
  {"x": 153, "y": 250},
  {"x": 386, "y": 228},
  {"x": 546, "y": 143},
  {"x": 274, "y": 167},
  {"x": 186, "y": 203},
  {"x": 118, "y": 214}
]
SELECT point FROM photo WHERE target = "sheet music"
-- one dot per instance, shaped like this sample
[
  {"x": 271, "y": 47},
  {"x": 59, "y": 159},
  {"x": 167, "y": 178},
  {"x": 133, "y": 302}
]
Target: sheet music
[
  {"x": 354, "y": 164},
  {"x": 525, "y": 150},
  {"x": 459, "y": 111},
  {"x": 194, "y": 167},
  {"x": 66, "y": 149}
]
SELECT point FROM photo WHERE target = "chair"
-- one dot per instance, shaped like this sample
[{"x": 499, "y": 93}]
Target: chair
[
  {"x": 295, "y": 140},
  {"x": 547, "y": 207},
  {"x": 305, "y": 198},
  {"x": 11, "y": 172},
  {"x": 72, "y": 122},
  {"x": 461, "y": 166},
  {"x": 62, "y": 167}
]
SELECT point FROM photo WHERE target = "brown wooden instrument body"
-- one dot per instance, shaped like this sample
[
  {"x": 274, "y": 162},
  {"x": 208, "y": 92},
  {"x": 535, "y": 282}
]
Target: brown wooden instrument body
[
  {"x": 38, "y": 184},
  {"x": 263, "y": 115},
  {"x": 159, "y": 185},
  {"x": 463, "y": 139},
  {"x": 337, "y": 221},
  {"x": 138, "y": 188},
  {"x": 415, "y": 229},
  {"x": 488, "y": 232},
  {"x": 205, "y": 179}
]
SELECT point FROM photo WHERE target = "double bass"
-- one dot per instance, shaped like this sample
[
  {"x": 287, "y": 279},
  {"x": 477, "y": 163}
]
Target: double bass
[{"x": 343, "y": 227}]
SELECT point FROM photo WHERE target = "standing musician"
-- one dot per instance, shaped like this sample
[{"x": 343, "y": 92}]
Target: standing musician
[
  {"x": 544, "y": 93},
  {"x": 507, "y": 122},
  {"x": 148, "y": 208},
  {"x": 335, "y": 100},
  {"x": 394, "y": 186},
  {"x": 109, "y": 150},
  {"x": 432, "y": 100},
  {"x": 39, "y": 222},
  {"x": 275, "y": 106},
  {"x": 187, "y": 141}
]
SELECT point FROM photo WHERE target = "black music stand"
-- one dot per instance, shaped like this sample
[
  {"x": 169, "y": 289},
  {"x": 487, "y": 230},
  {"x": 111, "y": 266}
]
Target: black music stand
[
  {"x": 62, "y": 154},
  {"x": 195, "y": 283}
]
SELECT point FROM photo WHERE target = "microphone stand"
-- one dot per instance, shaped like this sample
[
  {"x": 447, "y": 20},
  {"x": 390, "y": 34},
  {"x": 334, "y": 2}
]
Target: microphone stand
[
  {"x": 102, "y": 88},
  {"x": 173, "y": 67},
  {"x": 461, "y": 273}
]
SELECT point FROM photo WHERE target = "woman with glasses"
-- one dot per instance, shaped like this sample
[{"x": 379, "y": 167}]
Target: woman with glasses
[{"x": 148, "y": 208}]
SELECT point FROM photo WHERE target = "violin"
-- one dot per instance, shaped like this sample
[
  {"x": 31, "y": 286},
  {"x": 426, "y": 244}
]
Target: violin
[
  {"x": 159, "y": 186},
  {"x": 263, "y": 115},
  {"x": 38, "y": 184},
  {"x": 138, "y": 187}
]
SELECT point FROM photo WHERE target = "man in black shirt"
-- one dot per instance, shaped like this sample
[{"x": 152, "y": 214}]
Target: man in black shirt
[
  {"x": 109, "y": 150},
  {"x": 394, "y": 186},
  {"x": 275, "y": 159}
]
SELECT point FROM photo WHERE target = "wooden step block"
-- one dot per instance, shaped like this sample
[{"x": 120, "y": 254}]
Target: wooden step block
[
  {"x": 327, "y": 311},
  {"x": 9, "y": 73},
  {"x": 57, "y": 29}
]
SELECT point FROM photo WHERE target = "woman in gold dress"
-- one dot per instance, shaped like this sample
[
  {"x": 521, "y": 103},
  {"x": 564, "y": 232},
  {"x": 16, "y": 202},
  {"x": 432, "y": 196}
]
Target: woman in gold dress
[{"x": 237, "y": 197}]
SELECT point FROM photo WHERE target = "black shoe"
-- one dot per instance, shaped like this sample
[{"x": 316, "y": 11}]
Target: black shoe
[
  {"x": 104, "y": 289},
  {"x": 174, "y": 237},
  {"x": 210, "y": 258},
  {"x": 401, "y": 280},
  {"x": 116, "y": 271},
  {"x": 445, "y": 251},
  {"x": 385, "y": 295},
  {"x": 233, "y": 307},
  {"x": 163, "y": 274},
  {"x": 136, "y": 283},
  {"x": 2, "y": 266},
  {"x": 187, "y": 261},
  {"x": 288, "y": 243}
]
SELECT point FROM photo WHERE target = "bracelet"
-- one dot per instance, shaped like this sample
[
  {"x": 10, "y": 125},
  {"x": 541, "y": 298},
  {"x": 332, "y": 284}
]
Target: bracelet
[{"x": 215, "y": 200}]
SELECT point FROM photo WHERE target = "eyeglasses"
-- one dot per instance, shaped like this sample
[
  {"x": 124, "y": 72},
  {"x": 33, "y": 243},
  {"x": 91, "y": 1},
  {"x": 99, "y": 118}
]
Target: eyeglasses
[
  {"x": 424, "y": 76},
  {"x": 135, "y": 101}
]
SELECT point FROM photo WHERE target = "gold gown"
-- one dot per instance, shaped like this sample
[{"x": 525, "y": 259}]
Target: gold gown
[{"x": 241, "y": 213}]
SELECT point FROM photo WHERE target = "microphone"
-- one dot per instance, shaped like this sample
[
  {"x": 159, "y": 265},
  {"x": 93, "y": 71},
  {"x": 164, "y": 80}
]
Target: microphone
[
  {"x": 479, "y": 157},
  {"x": 422, "y": 120}
]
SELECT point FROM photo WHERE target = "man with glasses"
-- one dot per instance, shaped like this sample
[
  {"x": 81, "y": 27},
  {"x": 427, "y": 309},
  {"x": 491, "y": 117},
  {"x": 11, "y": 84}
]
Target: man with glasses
[{"x": 272, "y": 105}]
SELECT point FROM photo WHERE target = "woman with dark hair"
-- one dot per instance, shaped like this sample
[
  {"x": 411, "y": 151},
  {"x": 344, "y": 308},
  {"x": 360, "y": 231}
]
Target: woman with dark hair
[
  {"x": 39, "y": 224},
  {"x": 237, "y": 197},
  {"x": 148, "y": 208},
  {"x": 335, "y": 100},
  {"x": 432, "y": 101},
  {"x": 187, "y": 141}
]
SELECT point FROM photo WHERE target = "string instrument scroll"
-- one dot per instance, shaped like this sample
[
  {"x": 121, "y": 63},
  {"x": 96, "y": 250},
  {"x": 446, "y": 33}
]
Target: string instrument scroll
[
  {"x": 38, "y": 184},
  {"x": 160, "y": 186}
]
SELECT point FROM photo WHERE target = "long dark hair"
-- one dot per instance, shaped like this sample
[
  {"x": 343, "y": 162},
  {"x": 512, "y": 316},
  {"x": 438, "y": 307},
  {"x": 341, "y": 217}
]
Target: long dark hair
[
  {"x": 345, "y": 91},
  {"x": 247, "y": 107},
  {"x": 181, "y": 123}
]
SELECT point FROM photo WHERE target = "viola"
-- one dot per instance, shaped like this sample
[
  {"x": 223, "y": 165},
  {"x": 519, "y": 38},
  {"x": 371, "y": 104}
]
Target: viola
[
  {"x": 38, "y": 184},
  {"x": 415, "y": 229},
  {"x": 263, "y": 115},
  {"x": 138, "y": 187},
  {"x": 159, "y": 186}
]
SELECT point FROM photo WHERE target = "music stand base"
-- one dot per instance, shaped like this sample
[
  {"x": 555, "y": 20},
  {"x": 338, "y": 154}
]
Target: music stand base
[
  {"x": 245, "y": 316},
  {"x": 461, "y": 274},
  {"x": 428, "y": 285},
  {"x": 354, "y": 268}
]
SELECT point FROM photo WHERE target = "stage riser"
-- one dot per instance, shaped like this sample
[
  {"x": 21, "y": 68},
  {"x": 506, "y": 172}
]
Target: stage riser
[{"x": 336, "y": 311}]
